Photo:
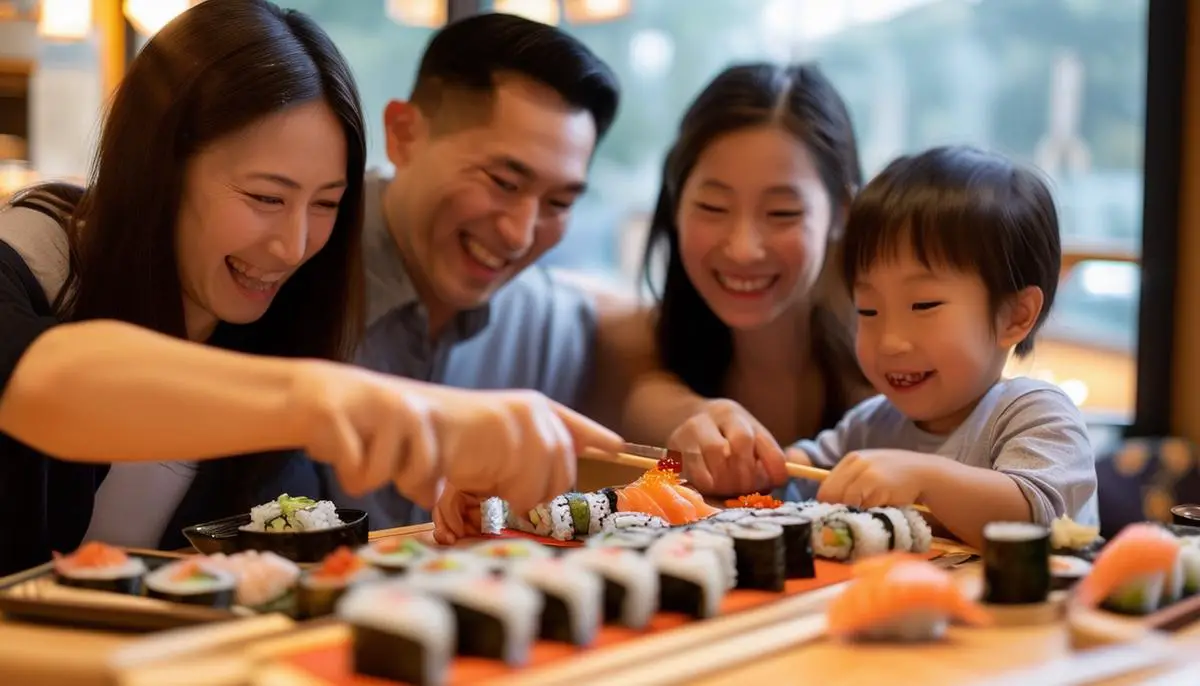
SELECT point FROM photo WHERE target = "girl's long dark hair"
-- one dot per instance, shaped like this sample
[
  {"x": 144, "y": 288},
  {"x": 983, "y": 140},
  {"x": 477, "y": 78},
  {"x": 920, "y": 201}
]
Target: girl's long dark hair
[{"x": 692, "y": 341}]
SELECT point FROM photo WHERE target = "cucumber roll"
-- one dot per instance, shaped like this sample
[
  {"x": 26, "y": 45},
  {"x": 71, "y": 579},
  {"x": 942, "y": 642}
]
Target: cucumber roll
[
  {"x": 797, "y": 545},
  {"x": 690, "y": 577},
  {"x": 398, "y": 634},
  {"x": 395, "y": 556},
  {"x": 99, "y": 567},
  {"x": 630, "y": 583},
  {"x": 499, "y": 556},
  {"x": 497, "y": 619},
  {"x": 192, "y": 582},
  {"x": 572, "y": 599}
]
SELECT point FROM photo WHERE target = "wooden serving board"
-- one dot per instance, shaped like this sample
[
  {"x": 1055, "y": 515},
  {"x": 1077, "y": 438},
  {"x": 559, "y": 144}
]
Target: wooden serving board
[{"x": 1093, "y": 627}]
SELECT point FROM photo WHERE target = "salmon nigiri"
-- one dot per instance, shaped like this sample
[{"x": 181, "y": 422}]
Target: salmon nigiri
[
  {"x": 901, "y": 599},
  {"x": 1138, "y": 568},
  {"x": 703, "y": 509}
]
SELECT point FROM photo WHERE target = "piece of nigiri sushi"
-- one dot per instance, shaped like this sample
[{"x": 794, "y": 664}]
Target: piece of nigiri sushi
[
  {"x": 904, "y": 599},
  {"x": 1138, "y": 568}
]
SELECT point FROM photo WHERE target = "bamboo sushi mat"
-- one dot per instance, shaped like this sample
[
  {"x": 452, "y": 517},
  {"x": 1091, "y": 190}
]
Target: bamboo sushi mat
[{"x": 329, "y": 664}]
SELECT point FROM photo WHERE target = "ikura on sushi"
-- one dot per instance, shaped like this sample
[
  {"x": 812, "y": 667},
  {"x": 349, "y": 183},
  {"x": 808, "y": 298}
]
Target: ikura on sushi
[
  {"x": 99, "y": 567},
  {"x": 1141, "y": 569},
  {"x": 899, "y": 598}
]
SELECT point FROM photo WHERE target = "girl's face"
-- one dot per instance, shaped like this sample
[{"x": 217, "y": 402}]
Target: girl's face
[
  {"x": 754, "y": 219},
  {"x": 256, "y": 206},
  {"x": 928, "y": 340}
]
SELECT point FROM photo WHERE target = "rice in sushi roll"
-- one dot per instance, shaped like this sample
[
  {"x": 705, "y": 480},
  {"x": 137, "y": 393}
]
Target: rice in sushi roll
[
  {"x": 691, "y": 579},
  {"x": 630, "y": 583},
  {"x": 498, "y": 556},
  {"x": 497, "y": 618},
  {"x": 572, "y": 599},
  {"x": 395, "y": 556},
  {"x": 850, "y": 535},
  {"x": 321, "y": 587},
  {"x": 266, "y": 582},
  {"x": 733, "y": 514},
  {"x": 192, "y": 582},
  {"x": 399, "y": 634},
  {"x": 918, "y": 529},
  {"x": 638, "y": 540},
  {"x": 633, "y": 520},
  {"x": 720, "y": 543},
  {"x": 99, "y": 567},
  {"x": 447, "y": 569}
]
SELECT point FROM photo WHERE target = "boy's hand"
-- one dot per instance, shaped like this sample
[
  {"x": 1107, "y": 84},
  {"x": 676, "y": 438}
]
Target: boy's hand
[{"x": 877, "y": 478}]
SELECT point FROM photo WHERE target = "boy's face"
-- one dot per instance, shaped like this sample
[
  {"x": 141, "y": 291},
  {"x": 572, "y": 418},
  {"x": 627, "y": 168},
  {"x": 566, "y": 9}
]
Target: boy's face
[{"x": 928, "y": 341}]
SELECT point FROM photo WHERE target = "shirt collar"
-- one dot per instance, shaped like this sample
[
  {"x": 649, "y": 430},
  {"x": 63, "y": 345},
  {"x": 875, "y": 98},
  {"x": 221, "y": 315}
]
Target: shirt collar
[{"x": 389, "y": 287}]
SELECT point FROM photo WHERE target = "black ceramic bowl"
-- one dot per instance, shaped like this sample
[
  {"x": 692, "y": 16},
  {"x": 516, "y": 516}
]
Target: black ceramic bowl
[
  {"x": 226, "y": 536},
  {"x": 1186, "y": 515}
]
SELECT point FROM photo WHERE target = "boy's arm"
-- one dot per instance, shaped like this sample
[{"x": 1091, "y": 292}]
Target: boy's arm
[
  {"x": 827, "y": 448},
  {"x": 1043, "y": 467}
]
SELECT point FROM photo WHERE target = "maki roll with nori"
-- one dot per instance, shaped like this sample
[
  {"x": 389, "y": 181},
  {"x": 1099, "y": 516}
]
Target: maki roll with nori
[
  {"x": 577, "y": 515},
  {"x": 321, "y": 587},
  {"x": 720, "y": 543},
  {"x": 733, "y": 514},
  {"x": 192, "y": 582},
  {"x": 797, "y": 544},
  {"x": 447, "y": 569},
  {"x": 638, "y": 540},
  {"x": 849, "y": 535},
  {"x": 497, "y": 618},
  {"x": 99, "y": 567},
  {"x": 691, "y": 580},
  {"x": 395, "y": 556},
  {"x": 572, "y": 599},
  {"x": 918, "y": 528},
  {"x": 633, "y": 520},
  {"x": 759, "y": 550},
  {"x": 630, "y": 583},
  {"x": 1016, "y": 563},
  {"x": 896, "y": 525},
  {"x": 399, "y": 634},
  {"x": 499, "y": 556}
]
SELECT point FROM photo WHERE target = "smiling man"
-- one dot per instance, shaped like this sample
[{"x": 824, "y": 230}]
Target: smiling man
[{"x": 490, "y": 153}]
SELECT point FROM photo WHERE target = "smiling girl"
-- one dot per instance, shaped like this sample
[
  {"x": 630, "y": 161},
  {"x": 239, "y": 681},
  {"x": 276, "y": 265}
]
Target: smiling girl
[{"x": 953, "y": 259}]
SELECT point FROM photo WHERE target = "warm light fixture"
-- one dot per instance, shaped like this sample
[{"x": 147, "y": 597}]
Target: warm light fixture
[
  {"x": 594, "y": 11},
  {"x": 149, "y": 16},
  {"x": 65, "y": 19},
  {"x": 430, "y": 14},
  {"x": 545, "y": 11}
]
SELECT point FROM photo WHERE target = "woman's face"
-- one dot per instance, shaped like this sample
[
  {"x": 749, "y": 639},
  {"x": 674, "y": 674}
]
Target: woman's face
[
  {"x": 753, "y": 222},
  {"x": 256, "y": 206}
]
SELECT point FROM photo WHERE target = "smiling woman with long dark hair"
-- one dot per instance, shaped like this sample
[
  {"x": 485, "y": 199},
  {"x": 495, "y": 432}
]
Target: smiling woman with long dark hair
[{"x": 221, "y": 225}]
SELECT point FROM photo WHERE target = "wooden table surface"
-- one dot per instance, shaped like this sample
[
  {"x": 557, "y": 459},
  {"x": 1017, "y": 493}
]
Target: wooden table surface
[{"x": 49, "y": 655}]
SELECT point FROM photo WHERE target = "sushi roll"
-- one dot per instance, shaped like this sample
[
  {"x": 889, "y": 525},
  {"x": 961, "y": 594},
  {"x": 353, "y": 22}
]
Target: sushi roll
[
  {"x": 602, "y": 504},
  {"x": 1016, "y": 563},
  {"x": 572, "y": 599},
  {"x": 394, "y": 556},
  {"x": 918, "y": 529},
  {"x": 633, "y": 520},
  {"x": 1189, "y": 556},
  {"x": 447, "y": 569},
  {"x": 399, "y": 634},
  {"x": 759, "y": 550},
  {"x": 900, "y": 600},
  {"x": 192, "y": 582},
  {"x": 638, "y": 540},
  {"x": 497, "y": 618},
  {"x": 720, "y": 543},
  {"x": 1067, "y": 570},
  {"x": 690, "y": 577},
  {"x": 797, "y": 545},
  {"x": 99, "y": 567},
  {"x": 1132, "y": 573},
  {"x": 896, "y": 524},
  {"x": 845, "y": 535},
  {"x": 499, "y": 556},
  {"x": 733, "y": 514},
  {"x": 266, "y": 582},
  {"x": 630, "y": 583},
  {"x": 321, "y": 587}
]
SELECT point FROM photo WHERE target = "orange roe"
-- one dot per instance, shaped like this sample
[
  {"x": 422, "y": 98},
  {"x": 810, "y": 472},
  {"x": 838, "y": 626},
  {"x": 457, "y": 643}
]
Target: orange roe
[
  {"x": 658, "y": 475},
  {"x": 94, "y": 554},
  {"x": 340, "y": 563},
  {"x": 754, "y": 500}
]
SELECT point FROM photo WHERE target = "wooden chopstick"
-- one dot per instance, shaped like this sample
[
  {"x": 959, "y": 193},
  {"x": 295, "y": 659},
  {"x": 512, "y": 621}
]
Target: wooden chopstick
[{"x": 797, "y": 471}]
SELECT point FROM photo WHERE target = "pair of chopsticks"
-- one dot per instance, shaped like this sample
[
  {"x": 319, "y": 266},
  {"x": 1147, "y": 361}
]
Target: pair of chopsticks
[{"x": 640, "y": 461}]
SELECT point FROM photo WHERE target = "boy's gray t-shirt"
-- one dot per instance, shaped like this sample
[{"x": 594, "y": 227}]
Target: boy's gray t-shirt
[{"x": 1022, "y": 427}]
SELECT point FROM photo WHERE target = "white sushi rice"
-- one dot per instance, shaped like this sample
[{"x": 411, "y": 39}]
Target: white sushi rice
[
  {"x": 395, "y": 609},
  {"x": 599, "y": 510},
  {"x": 629, "y": 570},
  {"x": 678, "y": 557},
  {"x": 720, "y": 544},
  {"x": 919, "y": 529},
  {"x": 317, "y": 517},
  {"x": 261, "y": 576},
  {"x": 133, "y": 566},
  {"x": 580, "y": 589},
  {"x": 517, "y": 606},
  {"x": 633, "y": 520},
  {"x": 901, "y": 530},
  {"x": 561, "y": 527},
  {"x": 870, "y": 536}
]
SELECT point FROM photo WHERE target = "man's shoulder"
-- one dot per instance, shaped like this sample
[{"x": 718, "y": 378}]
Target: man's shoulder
[{"x": 536, "y": 294}]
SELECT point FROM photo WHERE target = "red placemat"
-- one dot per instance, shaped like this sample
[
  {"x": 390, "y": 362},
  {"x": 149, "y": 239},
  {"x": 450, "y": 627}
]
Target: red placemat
[{"x": 331, "y": 663}]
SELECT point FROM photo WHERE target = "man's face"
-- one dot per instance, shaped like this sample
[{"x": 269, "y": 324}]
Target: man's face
[{"x": 476, "y": 203}]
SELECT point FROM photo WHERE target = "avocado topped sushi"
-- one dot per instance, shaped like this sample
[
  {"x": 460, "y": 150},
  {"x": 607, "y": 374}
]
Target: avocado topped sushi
[
  {"x": 321, "y": 587},
  {"x": 395, "y": 555},
  {"x": 192, "y": 582},
  {"x": 99, "y": 567},
  {"x": 498, "y": 556}
]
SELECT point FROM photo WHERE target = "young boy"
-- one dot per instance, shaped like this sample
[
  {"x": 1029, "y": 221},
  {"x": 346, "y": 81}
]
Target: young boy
[{"x": 953, "y": 257}]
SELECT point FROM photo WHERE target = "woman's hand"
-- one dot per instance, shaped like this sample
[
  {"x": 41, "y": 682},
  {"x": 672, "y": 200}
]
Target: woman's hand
[
  {"x": 737, "y": 455},
  {"x": 372, "y": 428}
]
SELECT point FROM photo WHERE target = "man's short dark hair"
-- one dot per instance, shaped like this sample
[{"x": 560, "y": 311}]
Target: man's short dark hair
[
  {"x": 962, "y": 208},
  {"x": 467, "y": 54}
]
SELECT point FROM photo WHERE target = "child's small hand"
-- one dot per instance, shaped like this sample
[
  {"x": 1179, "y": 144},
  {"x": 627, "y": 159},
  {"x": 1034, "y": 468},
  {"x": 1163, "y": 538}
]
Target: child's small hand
[
  {"x": 875, "y": 478},
  {"x": 457, "y": 515}
]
